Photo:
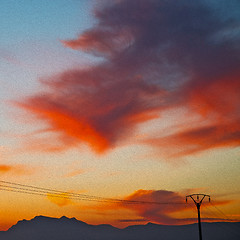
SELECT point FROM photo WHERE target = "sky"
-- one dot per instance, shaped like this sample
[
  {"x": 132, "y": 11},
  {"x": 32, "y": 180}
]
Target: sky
[{"x": 135, "y": 100}]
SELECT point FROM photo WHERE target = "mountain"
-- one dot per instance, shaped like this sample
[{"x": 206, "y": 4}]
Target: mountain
[{"x": 46, "y": 228}]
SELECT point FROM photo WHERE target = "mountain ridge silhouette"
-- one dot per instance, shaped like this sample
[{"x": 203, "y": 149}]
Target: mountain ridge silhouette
[{"x": 64, "y": 228}]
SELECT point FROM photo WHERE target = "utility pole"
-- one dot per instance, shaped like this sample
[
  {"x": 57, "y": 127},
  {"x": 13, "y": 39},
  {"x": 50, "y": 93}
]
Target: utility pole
[{"x": 197, "y": 199}]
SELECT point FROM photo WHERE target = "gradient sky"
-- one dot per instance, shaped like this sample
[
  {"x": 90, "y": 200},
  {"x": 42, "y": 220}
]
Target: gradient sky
[{"x": 124, "y": 99}]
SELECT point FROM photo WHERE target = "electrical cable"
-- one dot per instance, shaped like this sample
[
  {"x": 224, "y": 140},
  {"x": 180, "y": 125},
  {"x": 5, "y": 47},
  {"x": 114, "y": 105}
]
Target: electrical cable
[
  {"x": 222, "y": 216},
  {"x": 29, "y": 189}
]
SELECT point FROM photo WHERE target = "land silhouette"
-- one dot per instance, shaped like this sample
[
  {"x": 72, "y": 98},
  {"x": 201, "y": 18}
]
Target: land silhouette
[{"x": 64, "y": 228}]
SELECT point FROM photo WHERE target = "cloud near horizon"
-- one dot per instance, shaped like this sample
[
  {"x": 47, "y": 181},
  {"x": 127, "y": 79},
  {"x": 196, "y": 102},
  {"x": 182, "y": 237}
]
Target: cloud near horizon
[
  {"x": 163, "y": 213},
  {"x": 172, "y": 211},
  {"x": 155, "y": 55},
  {"x": 158, "y": 213}
]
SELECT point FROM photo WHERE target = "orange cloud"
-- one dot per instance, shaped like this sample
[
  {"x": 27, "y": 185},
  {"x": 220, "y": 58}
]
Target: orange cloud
[
  {"x": 102, "y": 118},
  {"x": 15, "y": 169},
  {"x": 71, "y": 127},
  {"x": 5, "y": 168},
  {"x": 61, "y": 199},
  {"x": 75, "y": 173}
]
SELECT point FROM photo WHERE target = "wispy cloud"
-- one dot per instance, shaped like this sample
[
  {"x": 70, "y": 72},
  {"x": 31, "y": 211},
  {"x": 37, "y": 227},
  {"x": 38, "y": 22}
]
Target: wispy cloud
[
  {"x": 75, "y": 172},
  {"x": 5, "y": 168},
  {"x": 15, "y": 170},
  {"x": 156, "y": 55},
  {"x": 9, "y": 57},
  {"x": 61, "y": 199}
]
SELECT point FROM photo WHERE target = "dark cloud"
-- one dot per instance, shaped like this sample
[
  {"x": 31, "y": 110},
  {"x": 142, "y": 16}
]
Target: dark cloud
[
  {"x": 156, "y": 55},
  {"x": 159, "y": 213}
]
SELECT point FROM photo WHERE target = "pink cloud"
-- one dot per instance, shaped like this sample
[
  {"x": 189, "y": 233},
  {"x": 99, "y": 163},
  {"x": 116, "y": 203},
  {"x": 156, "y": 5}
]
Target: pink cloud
[{"x": 155, "y": 56}]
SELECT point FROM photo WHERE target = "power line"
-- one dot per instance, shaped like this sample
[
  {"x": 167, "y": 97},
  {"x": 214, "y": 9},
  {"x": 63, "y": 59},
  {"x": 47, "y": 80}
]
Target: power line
[
  {"x": 34, "y": 190},
  {"x": 54, "y": 191},
  {"x": 234, "y": 229},
  {"x": 214, "y": 216},
  {"x": 222, "y": 213},
  {"x": 39, "y": 191},
  {"x": 48, "y": 192}
]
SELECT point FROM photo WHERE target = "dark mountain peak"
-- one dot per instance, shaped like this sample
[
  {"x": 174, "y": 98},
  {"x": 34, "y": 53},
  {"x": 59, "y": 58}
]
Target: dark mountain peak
[
  {"x": 73, "y": 220},
  {"x": 152, "y": 224},
  {"x": 147, "y": 225},
  {"x": 44, "y": 222},
  {"x": 105, "y": 227},
  {"x": 41, "y": 218}
]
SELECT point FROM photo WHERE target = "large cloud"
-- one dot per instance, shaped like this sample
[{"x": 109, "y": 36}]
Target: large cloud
[
  {"x": 155, "y": 55},
  {"x": 159, "y": 213}
]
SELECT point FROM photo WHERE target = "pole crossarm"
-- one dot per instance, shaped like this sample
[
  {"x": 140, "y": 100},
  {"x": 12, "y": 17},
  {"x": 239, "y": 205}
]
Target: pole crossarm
[{"x": 197, "y": 198}]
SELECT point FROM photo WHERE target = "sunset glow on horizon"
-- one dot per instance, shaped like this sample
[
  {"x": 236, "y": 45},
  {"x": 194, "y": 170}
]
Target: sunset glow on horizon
[{"x": 134, "y": 100}]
